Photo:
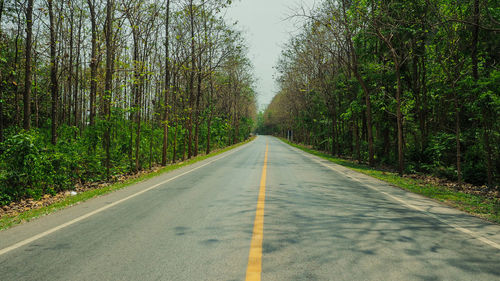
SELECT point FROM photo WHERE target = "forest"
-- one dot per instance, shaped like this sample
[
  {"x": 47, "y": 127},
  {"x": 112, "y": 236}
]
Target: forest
[
  {"x": 93, "y": 89},
  {"x": 408, "y": 85}
]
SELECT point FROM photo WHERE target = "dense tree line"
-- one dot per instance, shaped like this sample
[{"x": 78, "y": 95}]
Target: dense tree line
[
  {"x": 408, "y": 84},
  {"x": 90, "y": 89}
]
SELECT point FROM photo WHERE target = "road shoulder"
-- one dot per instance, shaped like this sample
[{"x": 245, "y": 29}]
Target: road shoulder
[
  {"x": 73, "y": 213},
  {"x": 476, "y": 228}
]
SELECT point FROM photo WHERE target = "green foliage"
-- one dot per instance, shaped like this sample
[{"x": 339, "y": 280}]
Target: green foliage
[
  {"x": 8, "y": 221},
  {"x": 110, "y": 107},
  {"x": 30, "y": 169},
  {"x": 421, "y": 51},
  {"x": 30, "y": 166}
]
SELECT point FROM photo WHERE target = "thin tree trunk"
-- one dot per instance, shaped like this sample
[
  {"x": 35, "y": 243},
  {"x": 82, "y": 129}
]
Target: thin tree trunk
[
  {"x": 368, "y": 112},
  {"x": 1, "y": 107},
  {"x": 423, "y": 109},
  {"x": 93, "y": 62},
  {"x": 209, "y": 121},
  {"x": 138, "y": 100},
  {"x": 174, "y": 148},
  {"x": 77, "y": 74},
  {"x": 131, "y": 143},
  {"x": 16, "y": 75},
  {"x": 184, "y": 145},
  {"x": 27, "y": 78},
  {"x": 356, "y": 137},
  {"x": 197, "y": 111},
  {"x": 108, "y": 83},
  {"x": 174, "y": 115},
  {"x": 399, "y": 117},
  {"x": 1, "y": 12},
  {"x": 53, "y": 73},
  {"x": 1, "y": 79},
  {"x": 475, "y": 36},
  {"x": 167, "y": 87},
  {"x": 457, "y": 134},
  {"x": 71, "y": 63},
  {"x": 368, "y": 117},
  {"x": 334, "y": 132},
  {"x": 191, "y": 82}
]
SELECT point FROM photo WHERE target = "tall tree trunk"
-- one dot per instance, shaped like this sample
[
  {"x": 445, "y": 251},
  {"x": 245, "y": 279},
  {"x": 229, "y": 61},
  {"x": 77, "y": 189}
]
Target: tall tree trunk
[
  {"x": 368, "y": 117},
  {"x": 174, "y": 115},
  {"x": 93, "y": 62},
  {"x": 209, "y": 121},
  {"x": 457, "y": 134},
  {"x": 174, "y": 148},
  {"x": 108, "y": 83},
  {"x": 184, "y": 143},
  {"x": 1, "y": 13},
  {"x": 131, "y": 143},
  {"x": 399, "y": 117},
  {"x": 71, "y": 63},
  {"x": 1, "y": 79},
  {"x": 356, "y": 137},
  {"x": 1, "y": 107},
  {"x": 423, "y": 118},
  {"x": 334, "y": 146},
  {"x": 368, "y": 112},
  {"x": 353, "y": 66},
  {"x": 167, "y": 87},
  {"x": 415, "y": 86},
  {"x": 191, "y": 82},
  {"x": 197, "y": 111},
  {"x": 475, "y": 75},
  {"x": 475, "y": 36},
  {"x": 15, "y": 77},
  {"x": 27, "y": 78},
  {"x": 53, "y": 72},
  {"x": 77, "y": 74},
  {"x": 138, "y": 100}
]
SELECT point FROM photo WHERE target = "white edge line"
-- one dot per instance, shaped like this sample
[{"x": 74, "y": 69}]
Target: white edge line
[
  {"x": 52, "y": 230},
  {"x": 459, "y": 228}
]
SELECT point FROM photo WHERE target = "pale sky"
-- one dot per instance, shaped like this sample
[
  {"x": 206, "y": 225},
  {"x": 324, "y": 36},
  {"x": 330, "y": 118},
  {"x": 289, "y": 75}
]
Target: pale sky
[{"x": 266, "y": 30}]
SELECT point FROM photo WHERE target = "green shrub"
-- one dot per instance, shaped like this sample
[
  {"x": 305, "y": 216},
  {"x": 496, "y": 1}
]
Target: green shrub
[
  {"x": 30, "y": 169},
  {"x": 21, "y": 162}
]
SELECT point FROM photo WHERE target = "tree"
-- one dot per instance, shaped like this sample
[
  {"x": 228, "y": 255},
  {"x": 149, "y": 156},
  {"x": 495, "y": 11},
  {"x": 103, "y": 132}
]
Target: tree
[
  {"x": 421, "y": 72},
  {"x": 109, "y": 83},
  {"x": 53, "y": 72},
  {"x": 93, "y": 61},
  {"x": 108, "y": 80},
  {"x": 27, "y": 80},
  {"x": 167, "y": 85}
]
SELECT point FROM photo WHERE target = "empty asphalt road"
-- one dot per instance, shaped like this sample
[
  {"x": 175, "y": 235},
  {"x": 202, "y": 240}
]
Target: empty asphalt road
[{"x": 293, "y": 215}]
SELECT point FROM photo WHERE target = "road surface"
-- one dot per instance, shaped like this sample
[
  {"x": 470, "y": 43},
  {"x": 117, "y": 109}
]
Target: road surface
[{"x": 315, "y": 221}]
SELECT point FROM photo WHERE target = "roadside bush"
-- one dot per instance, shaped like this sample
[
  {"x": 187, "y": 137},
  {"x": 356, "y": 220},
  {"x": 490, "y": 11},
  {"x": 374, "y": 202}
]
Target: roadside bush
[
  {"x": 30, "y": 166},
  {"x": 30, "y": 169},
  {"x": 474, "y": 168},
  {"x": 21, "y": 165}
]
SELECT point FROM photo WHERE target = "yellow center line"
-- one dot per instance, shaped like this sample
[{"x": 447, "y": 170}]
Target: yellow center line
[{"x": 254, "y": 267}]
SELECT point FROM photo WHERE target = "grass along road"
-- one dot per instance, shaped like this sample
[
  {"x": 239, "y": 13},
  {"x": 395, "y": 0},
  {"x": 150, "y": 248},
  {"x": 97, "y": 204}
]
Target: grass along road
[
  {"x": 481, "y": 206},
  {"x": 8, "y": 221}
]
